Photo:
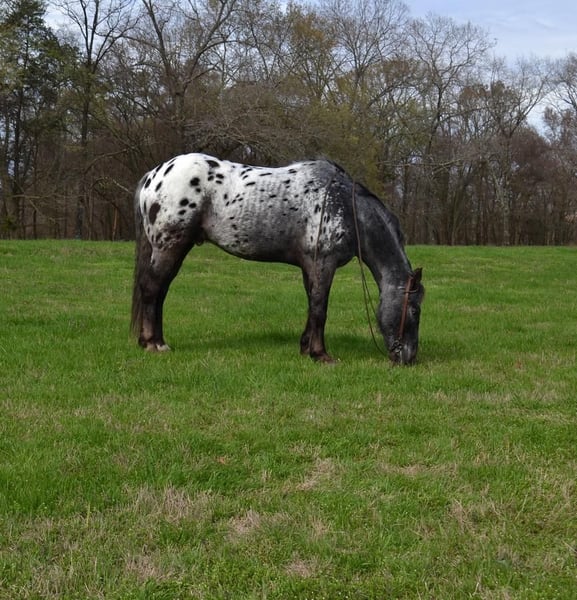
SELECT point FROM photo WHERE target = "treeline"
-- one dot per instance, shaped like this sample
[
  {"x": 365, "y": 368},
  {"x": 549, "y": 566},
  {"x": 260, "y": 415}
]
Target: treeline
[{"x": 95, "y": 92}]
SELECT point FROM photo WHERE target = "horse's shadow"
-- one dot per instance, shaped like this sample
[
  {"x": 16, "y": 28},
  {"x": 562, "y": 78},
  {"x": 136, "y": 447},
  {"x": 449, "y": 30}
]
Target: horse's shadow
[
  {"x": 342, "y": 346},
  {"x": 276, "y": 341}
]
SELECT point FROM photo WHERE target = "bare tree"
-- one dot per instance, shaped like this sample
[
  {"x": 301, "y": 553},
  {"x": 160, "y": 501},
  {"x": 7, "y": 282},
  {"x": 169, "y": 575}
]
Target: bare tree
[
  {"x": 182, "y": 41},
  {"x": 564, "y": 75},
  {"x": 560, "y": 121},
  {"x": 447, "y": 57},
  {"x": 512, "y": 94},
  {"x": 98, "y": 25},
  {"x": 367, "y": 33}
]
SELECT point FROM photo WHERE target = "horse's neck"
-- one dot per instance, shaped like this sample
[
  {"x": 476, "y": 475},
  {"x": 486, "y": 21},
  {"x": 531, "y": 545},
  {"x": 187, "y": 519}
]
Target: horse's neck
[{"x": 386, "y": 259}]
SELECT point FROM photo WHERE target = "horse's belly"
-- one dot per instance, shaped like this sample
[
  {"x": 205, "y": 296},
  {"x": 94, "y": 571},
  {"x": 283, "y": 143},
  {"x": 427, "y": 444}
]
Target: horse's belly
[
  {"x": 254, "y": 239},
  {"x": 277, "y": 236}
]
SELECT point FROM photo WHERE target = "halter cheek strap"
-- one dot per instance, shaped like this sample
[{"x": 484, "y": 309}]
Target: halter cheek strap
[{"x": 405, "y": 306}]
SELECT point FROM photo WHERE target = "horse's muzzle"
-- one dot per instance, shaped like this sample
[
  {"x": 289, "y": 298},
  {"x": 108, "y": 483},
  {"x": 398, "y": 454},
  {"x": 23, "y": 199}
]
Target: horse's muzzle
[{"x": 403, "y": 354}]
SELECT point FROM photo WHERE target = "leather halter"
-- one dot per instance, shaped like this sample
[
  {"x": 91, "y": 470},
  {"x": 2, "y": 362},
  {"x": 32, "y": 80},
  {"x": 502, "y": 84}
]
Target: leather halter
[{"x": 408, "y": 290}]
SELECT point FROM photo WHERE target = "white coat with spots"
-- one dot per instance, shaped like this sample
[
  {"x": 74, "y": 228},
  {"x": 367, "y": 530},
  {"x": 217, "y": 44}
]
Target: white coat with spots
[{"x": 252, "y": 212}]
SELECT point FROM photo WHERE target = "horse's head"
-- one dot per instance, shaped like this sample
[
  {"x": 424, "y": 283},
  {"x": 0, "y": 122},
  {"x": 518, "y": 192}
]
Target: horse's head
[{"x": 399, "y": 319}]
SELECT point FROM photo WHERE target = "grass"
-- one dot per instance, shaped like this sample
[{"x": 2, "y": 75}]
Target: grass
[{"x": 235, "y": 468}]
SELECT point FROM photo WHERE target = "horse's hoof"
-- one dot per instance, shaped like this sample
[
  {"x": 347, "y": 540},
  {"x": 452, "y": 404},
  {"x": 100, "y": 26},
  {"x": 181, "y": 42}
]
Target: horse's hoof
[
  {"x": 153, "y": 347},
  {"x": 325, "y": 359},
  {"x": 331, "y": 361}
]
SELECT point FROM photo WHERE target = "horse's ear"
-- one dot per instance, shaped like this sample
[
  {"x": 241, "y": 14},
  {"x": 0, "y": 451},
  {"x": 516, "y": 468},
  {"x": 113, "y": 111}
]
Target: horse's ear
[{"x": 418, "y": 276}]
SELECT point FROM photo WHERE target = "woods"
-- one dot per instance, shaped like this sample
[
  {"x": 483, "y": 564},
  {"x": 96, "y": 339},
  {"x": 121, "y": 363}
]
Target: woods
[{"x": 465, "y": 147}]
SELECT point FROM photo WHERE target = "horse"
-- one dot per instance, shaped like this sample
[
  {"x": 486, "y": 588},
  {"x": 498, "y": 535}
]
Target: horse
[{"x": 309, "y": 214}]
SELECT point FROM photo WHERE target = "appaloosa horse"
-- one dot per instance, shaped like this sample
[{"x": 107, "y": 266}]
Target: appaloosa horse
[{"x": 309, "y": 214}]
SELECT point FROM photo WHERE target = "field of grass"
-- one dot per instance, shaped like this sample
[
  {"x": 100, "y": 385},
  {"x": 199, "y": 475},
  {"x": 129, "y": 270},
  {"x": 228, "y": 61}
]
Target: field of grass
[{"x": 233, "y": 467}]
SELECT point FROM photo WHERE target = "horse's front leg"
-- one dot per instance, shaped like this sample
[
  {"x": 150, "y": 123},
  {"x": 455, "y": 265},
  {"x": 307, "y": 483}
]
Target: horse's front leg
[{"x": 317, "y": 279}]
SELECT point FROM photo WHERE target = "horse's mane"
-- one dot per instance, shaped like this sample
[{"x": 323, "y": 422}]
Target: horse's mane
[{"x": 390, "y": 218}]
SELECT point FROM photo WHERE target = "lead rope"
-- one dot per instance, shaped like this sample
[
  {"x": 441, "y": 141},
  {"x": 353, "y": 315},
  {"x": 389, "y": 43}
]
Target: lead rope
[{"x": 366, "y": 293}]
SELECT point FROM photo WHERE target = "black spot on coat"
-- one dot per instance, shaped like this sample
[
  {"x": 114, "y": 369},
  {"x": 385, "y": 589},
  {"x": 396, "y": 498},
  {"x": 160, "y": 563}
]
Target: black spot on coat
[{"x": 153, "y": 212}]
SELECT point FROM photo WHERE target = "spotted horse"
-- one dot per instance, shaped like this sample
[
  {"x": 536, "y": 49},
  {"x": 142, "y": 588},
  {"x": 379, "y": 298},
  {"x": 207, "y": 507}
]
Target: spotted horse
[{"x": 309, "y": 214}]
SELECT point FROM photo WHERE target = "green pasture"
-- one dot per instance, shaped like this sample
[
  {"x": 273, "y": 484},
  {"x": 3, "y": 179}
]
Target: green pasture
[{"x": 233, "y": 468}]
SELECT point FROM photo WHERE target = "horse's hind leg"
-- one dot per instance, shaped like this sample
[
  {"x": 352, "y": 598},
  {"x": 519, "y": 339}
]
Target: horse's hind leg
[
  {"x": 154, "y": 281},
  {"x": 317, "y": 279}
]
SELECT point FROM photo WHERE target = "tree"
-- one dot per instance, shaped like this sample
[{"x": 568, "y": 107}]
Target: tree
[
  {"x": 182, "y": 42},
  {"x": 511, "y": 96},
  {"x": 412, "y": 108},
  {"x": 32, "y": 68},
  {"x": 446, "y": 56},
  {"x": 97, "y": 25}
]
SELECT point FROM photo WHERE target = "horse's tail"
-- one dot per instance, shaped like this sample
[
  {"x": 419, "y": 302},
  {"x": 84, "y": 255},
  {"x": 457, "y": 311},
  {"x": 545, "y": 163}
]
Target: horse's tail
[{"x": 142, "y": 259}]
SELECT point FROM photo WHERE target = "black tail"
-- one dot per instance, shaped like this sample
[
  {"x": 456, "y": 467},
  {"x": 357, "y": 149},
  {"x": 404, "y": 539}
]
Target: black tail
[{"x": 142, "y": 259}]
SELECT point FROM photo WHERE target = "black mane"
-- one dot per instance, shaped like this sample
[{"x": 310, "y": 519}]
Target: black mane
[{"x": 361, "y": 190}]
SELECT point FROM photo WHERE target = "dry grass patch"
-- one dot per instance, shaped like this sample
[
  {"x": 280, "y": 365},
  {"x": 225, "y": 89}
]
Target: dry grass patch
[
  {"x": 173, "y": 505},
  {"x": 303, "y": 568},
  {"x": 244, "y": 525},
  {"x": 324, "y": 471}
]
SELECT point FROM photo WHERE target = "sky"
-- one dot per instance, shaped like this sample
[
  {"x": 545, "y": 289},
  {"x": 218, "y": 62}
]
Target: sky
[{"x": 521, "y": 28}]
